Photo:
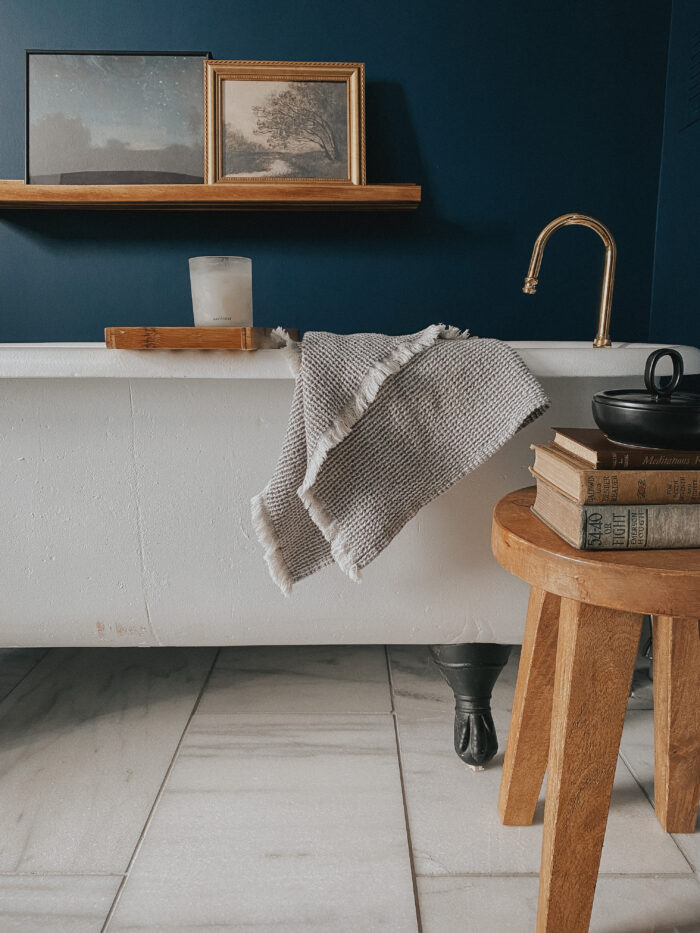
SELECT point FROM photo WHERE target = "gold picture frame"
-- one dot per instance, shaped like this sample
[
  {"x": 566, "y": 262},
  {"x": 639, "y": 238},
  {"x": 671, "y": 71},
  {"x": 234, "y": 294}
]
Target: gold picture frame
[{"x": 285, "y": 123}]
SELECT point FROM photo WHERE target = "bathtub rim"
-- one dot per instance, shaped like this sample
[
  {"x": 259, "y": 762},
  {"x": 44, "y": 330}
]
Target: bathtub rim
[{"x": 92, "y": 360}]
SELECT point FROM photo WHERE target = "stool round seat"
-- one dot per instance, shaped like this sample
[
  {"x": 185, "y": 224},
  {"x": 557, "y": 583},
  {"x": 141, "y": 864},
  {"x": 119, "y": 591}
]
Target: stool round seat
[{"x": 663, "y": 582}]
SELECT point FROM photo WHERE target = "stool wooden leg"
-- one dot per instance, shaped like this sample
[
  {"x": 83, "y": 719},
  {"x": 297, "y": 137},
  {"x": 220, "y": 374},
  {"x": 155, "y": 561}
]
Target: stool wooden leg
[
  {"x": 676, "y": 722},
  {"x": 595, "y": 661},
  {"x": 528, "y": 738}
]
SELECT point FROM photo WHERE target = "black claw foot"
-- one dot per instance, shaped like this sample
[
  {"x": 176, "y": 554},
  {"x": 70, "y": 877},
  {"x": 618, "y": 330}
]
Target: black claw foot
[
  {"x": 472, "y": 670},
  {"x": 476, "y": 741}
]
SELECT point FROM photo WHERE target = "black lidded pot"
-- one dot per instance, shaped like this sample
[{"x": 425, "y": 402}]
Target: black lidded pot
[{"x": 661, "y": 417}]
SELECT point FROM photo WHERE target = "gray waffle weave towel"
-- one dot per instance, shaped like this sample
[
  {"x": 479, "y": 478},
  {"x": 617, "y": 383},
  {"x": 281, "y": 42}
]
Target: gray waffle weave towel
[{"x": 379, "y": 426}]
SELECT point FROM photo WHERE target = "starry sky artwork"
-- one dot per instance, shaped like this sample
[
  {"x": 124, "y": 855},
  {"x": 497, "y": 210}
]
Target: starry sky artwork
[{"x": 102, "y": 118}]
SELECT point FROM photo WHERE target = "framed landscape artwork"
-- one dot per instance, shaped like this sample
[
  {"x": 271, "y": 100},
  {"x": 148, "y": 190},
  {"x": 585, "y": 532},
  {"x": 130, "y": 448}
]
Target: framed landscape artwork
[
  {"x": 110, "y": 118},
  {"x": 285, "y": 121}
]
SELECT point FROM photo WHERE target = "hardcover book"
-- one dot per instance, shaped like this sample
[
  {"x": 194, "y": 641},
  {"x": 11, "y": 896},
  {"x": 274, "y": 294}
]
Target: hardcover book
[
  {"x": 617, "y": 527},
  {"x": 592, "y": 446},
  {"x": 587, "y": 486}
]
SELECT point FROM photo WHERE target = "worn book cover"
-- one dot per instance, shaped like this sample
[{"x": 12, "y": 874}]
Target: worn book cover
[
  {"x": 618, "y": 527},
  {"x": 592, "y": 446},
  {"x": 588, "y": 486}
]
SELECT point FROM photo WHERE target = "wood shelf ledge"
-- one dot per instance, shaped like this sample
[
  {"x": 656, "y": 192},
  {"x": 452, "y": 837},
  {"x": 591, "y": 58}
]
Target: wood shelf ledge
[{"x": 270, "y": 196}]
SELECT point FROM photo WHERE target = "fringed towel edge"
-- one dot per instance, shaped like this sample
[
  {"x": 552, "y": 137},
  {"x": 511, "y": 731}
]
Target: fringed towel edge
[
  {"x": 267, "y": 537},
  {"x": 262, "y": 525},
  {"x": 291, "y": 349},
  {"x": 343, "y": 424}
]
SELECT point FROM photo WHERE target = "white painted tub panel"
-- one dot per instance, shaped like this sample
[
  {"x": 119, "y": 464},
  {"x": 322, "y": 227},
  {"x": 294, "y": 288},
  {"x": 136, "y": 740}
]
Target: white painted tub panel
[
  {"x": 70, "y": 562},
  {"x": 206, "y": 582},
  {"x": 125, "y": 507}
]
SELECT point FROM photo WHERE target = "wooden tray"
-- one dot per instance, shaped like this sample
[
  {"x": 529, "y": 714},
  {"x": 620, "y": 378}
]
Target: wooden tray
[{"x": 191, "y": 338}]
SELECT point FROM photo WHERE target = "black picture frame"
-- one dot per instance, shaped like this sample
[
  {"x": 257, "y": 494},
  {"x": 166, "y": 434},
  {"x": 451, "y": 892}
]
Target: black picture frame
[{"x": 201, "y": 55}]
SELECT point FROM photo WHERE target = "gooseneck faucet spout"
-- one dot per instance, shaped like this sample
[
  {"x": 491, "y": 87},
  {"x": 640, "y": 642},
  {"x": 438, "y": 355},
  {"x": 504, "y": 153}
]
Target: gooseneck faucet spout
[{"x": 602, "y": 338}]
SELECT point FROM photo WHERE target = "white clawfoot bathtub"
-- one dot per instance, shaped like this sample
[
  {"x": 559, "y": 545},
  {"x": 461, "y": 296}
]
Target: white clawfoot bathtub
[{"x": 124, "y": 501}]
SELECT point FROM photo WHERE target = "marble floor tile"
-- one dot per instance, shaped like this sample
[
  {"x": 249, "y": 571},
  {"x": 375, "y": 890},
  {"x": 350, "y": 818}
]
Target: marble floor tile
[
  {"x": 637, "y": 749},
  {"x": 421, "y": 693},
  {"x": 55, "y": 903},
  {"x": 455, "y": 827},
  {"x": 417, "y": 687},
  {"x": 509, "y": 905},
  {"x": 299, "y": 679},
  {"x": 15, "y": 664},
  {"x": 85, "y": 741},
  {"x": 642, "y": 692},
  {"x": 278, "y": 817},
  {"x": 276, "y": 823}
]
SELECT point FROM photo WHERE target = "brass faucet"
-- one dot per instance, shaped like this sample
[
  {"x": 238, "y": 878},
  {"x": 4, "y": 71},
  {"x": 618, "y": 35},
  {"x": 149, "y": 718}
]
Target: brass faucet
[{"x": 602, "y": 338}]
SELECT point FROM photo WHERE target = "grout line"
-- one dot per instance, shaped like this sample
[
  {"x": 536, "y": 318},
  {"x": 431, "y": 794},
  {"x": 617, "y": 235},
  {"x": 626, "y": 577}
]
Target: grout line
[
  {"x": 61, "y": 874},
  {"x": 159, "y": 794},
  {"x": 24, "y": 676},
  {"x": 308, "y": 714},
  {"x": 414, "y": 876},
  {"x": 636, "y": 780},
  {"x": 691, "y": 866},
  {"x": 535, "y": 874},
  {"x": 484, "y": 874}
]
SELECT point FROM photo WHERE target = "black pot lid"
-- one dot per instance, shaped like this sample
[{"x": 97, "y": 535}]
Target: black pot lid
[
  {"x": 656, "y": 398},
  {"x": 639, "y": 400}
]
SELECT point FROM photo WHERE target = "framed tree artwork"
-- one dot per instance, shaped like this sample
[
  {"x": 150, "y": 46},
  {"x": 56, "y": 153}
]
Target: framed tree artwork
[{"x": 285, "y": 121}]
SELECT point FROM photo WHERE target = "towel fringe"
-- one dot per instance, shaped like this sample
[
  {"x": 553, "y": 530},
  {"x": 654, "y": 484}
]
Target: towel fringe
[
  {"x": 265, "y": 531},
  {"x": 343, "y": 424},
  {"x": 291, "y": 349}
]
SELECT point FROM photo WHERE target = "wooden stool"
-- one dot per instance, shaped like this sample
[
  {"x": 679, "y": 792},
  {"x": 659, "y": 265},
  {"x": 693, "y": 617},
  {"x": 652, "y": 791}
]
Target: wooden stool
[{"x": 581, "y": 638}]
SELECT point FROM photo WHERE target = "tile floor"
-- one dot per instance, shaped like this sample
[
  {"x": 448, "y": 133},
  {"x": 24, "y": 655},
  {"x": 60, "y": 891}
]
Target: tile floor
[{"x": 290, "y": 790}]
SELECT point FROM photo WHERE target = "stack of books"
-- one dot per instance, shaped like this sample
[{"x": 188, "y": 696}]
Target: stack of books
[{"x": 598, "y": 495}]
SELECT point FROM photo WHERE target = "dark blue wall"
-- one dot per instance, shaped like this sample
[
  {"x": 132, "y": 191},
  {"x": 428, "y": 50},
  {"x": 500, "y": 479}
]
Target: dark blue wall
[
  {"x": 508, "y": 113},
  {"x": 676, "y": 298}
]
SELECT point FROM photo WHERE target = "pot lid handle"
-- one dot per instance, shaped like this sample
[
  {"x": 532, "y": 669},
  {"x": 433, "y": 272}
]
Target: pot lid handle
[{"x": 659, "y": 391}]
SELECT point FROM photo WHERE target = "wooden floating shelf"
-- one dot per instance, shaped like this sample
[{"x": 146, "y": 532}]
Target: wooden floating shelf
[{"x": 272, "y": 196}]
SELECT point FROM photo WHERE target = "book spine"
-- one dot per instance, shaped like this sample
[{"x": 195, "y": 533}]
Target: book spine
[
  {"x": 601, "y": 487},
  {"x": 628, "y": 527},
  {"x": 643, "y": 459}
]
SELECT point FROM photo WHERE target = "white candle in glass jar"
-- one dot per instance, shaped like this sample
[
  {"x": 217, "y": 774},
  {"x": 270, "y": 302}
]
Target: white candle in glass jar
[{"x": 222, "y": 291}]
